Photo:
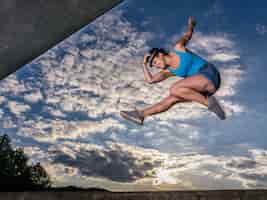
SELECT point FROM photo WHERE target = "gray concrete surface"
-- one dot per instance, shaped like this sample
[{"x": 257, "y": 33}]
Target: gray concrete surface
[
  {"x": 31, "y": 27},
  {"x": 174, "y": 195}
]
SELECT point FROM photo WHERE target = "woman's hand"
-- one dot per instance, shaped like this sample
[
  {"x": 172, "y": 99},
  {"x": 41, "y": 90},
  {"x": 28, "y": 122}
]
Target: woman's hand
[
  {"x": 145, "y": 59},
  {"x": 192, "y": 21},
  {"x": 148, "y": 75}
]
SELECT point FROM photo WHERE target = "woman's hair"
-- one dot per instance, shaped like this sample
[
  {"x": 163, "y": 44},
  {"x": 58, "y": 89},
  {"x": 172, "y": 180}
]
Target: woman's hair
[{"x": 155, "y": 52}]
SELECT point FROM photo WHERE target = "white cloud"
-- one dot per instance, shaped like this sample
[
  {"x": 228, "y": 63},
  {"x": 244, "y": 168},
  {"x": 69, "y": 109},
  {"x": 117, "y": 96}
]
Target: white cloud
[
  {"x": 18, "y": 108},
  {"x": 2, "y": 99},
  {"x": 212, "y": 43},
  {"x": 11, "y": 84},
  {"x": 33, "y": 96},
  {"x": 152, "y": 167},
  {"x": 224, "y": 57},
  {"x": 261, "y": 29}
]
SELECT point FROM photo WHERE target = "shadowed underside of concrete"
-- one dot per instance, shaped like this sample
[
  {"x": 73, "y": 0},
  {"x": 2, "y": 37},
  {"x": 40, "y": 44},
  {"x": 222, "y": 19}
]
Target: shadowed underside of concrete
[
  {"x": 31, "y": 27},
  {"x": 174, "y": 195}
]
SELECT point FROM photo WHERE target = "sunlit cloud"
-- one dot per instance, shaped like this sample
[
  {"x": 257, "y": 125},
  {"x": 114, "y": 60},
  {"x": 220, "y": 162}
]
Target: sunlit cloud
[
  {"x": 224, "y": 57},
  {"x": 136, "y": 165},
  {"x": 17, "y": 108},
  {"x": 33, "y": 96}
]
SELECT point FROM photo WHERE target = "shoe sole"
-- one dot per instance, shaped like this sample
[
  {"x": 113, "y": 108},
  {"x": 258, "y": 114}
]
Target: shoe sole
[
  {"x": 128, "y": 117},
  {"x": 219, "y": 108}
]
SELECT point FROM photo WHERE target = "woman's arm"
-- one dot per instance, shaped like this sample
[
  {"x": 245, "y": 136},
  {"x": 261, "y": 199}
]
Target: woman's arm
[
  {"x": 188, "y": 34},
  {"x": 160, "y": 76}
]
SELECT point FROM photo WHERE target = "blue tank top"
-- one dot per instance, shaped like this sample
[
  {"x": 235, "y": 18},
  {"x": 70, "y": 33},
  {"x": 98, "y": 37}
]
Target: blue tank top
[{"x": 190, "y": 64}]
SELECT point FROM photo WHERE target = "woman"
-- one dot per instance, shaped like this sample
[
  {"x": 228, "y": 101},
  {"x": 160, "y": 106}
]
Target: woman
[{"x": 200, "y": 80}]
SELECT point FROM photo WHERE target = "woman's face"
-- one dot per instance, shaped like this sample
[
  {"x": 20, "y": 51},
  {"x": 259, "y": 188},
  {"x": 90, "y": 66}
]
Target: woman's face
[{"x": 159, "y": 61}]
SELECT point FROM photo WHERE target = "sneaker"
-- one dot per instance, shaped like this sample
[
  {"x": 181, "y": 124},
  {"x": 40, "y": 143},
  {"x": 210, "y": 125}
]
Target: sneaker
[
  {"x": 134, "y": 116},
  {"x": 214, "y": 106}
]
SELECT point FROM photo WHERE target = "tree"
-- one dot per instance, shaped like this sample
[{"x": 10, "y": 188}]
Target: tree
[{"x": 16, "y": 173}]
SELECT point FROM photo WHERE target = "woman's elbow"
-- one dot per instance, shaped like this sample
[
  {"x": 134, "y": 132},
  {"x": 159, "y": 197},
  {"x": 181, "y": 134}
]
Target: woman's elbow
[{"x": 150, "y": 81}]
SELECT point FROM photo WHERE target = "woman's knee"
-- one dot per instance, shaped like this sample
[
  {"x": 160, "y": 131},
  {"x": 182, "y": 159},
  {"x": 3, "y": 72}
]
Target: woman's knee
[{"x": 210, "y": 87}]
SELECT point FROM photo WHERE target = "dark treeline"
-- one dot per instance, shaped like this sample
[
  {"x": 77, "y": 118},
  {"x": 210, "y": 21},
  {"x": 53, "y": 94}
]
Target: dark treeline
[{"x": 16, "y": 173}]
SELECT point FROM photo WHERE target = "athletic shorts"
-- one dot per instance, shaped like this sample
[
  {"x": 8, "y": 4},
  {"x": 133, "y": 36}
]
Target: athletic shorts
[{"x": 211, "y": 73}]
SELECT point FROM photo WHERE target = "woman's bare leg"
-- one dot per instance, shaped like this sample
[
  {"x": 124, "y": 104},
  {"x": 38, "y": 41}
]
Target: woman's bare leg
[
  {"x": 187, "y": 89},
  {"x": 162, "y": 106},
  {"x": 190, "y": 94}
]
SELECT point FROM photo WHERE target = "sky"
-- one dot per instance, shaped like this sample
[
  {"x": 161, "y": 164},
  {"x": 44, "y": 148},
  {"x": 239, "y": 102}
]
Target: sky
[{"x": 63, "y": 107}]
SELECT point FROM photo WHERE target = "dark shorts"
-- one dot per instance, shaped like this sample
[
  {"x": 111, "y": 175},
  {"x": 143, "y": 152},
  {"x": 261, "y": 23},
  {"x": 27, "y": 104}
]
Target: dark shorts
[{"x": 211, "y": 73}]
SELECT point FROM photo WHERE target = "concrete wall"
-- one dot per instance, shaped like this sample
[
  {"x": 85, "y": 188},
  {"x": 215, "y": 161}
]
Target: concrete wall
[
  {"x": 179, "y": 195},
  {"x": 31, "y": 27}
]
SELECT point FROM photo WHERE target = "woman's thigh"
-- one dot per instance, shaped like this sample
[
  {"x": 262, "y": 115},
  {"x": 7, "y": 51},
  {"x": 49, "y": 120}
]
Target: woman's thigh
[{"x": 197, "y": 82}]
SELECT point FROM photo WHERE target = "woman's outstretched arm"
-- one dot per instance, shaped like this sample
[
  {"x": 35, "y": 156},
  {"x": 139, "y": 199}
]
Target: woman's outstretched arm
[
  {"x": 160, "y": 76},
  {"x": 188, "y": 34}
]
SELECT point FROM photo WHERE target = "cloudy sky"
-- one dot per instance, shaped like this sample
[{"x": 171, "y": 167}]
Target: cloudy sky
[{"x": 63, "y": 107}]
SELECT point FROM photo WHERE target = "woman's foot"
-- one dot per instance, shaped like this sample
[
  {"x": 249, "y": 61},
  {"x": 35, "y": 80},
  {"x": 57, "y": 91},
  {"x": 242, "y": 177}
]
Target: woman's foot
[
  {"x": 134, "y": 116},
  {"x": 214, "y": 106}
]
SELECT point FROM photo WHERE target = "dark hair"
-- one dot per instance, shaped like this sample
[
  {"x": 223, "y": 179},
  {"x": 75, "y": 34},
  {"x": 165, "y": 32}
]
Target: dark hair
[{"x": 155, "y": 52}]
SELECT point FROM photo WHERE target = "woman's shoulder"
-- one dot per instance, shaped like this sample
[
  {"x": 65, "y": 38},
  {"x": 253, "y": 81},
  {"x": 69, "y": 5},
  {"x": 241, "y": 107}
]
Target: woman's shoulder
[{"x": 180, "y": 48}]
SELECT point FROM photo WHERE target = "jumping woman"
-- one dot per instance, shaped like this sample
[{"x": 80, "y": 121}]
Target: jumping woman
[{"x": 200, "y": 80}]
